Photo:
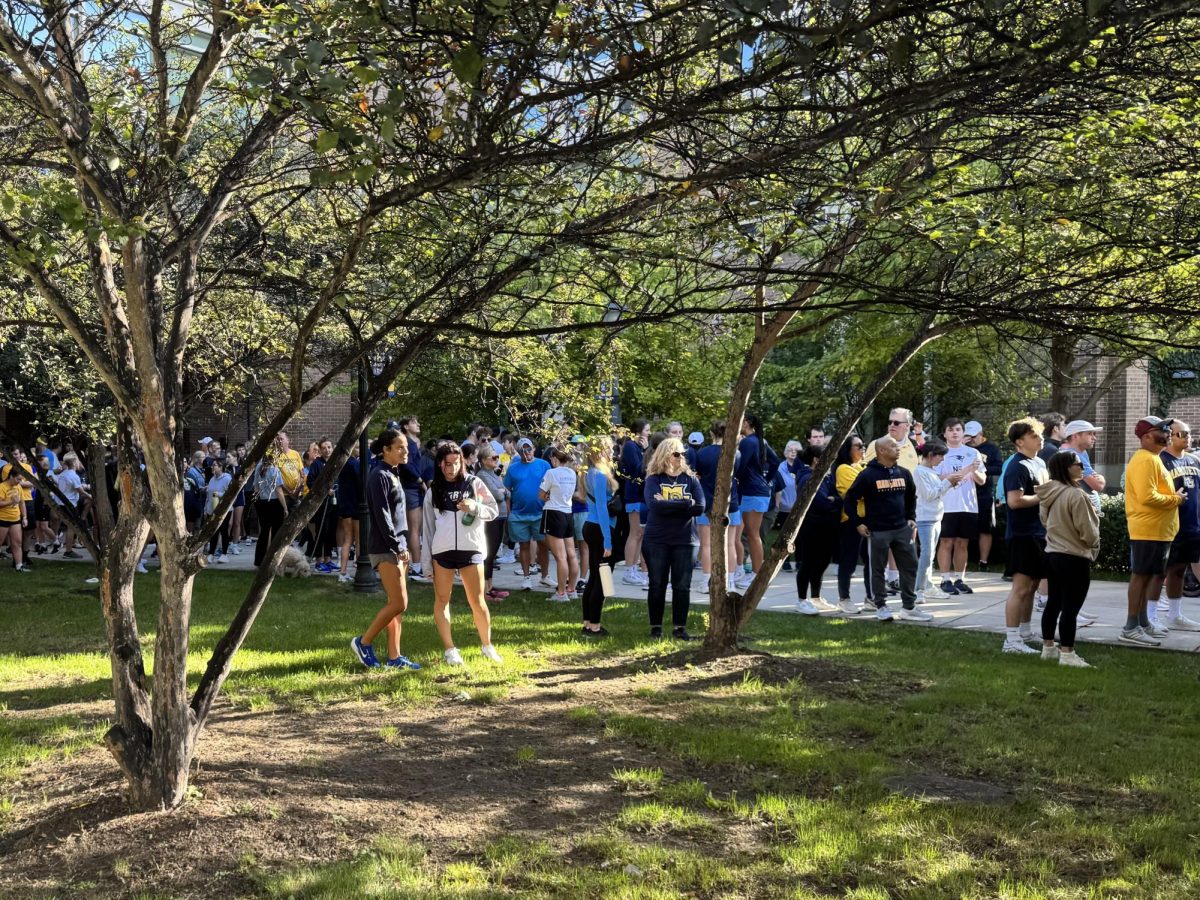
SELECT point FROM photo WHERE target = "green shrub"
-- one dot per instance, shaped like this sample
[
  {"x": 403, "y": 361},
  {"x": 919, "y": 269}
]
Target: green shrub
[{"x": 1114, "y": 536}]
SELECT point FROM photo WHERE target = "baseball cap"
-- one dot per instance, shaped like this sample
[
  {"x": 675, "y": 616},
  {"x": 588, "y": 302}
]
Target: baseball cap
[
  {"x": 1150, "y": 423},
  {"x": 578, "y": 439},
  {"x": 1079, "y": 426},
  {"x": 695, "y": 439},
  {"x": 972, "y": 428},
  {"x": 394, "y": 425},
  {"x": 524, "y": 442},
  {"x": 204, "y": 440}
]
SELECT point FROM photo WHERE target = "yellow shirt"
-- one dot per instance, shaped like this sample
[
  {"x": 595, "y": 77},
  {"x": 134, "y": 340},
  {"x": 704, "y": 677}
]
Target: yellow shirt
[
  {"x": 10, "y": 514},
  {"x": 909, "y": 458},
  {"x": 843, "y": 478},
  {"x": 291, "y": 468},
  {"x": 1151, "y": 504}
]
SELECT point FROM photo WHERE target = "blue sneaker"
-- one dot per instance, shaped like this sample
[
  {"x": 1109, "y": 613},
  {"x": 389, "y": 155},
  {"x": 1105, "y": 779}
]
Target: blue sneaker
[
  {"x": 365, "y": 653},
  {"x": 402, "y": 662},
  {"x": 326, "y": 568}
]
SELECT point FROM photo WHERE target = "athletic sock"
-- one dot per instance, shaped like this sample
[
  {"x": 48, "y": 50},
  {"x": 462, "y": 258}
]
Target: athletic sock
[
  {"x": 1143, "y": 619},
  {"x": 962, "y": 576},
  {"x": 1025, "y": 630},
  {"x": 1131, "y": 623},
  {"x": 1174, "y": 607},
  {"x": 1013, "y": 635},
  {"x": 892, "y": 574}
]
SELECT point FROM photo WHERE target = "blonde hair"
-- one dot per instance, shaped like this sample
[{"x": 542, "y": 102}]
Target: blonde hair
[
  {"x": 597, "y": 446},
  {"x": 662, "y": 455}
]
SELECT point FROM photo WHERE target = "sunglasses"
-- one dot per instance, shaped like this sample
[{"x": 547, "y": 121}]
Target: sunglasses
[
  {"x": 677, "y": 454},
  {"x": 894, "y": 422},
  {"x": 1181, "y": 433}
]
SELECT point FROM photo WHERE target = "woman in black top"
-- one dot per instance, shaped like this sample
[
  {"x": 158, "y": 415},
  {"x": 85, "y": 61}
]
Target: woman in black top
[
  {"x": 673, "y": 498},
  {"x": 388, "y": 549}
]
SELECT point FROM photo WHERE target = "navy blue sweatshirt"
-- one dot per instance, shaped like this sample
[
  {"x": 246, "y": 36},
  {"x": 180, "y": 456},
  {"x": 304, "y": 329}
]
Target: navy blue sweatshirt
[
  {"x": 889, "y": 495},
  {"x": 630, "y": 470},
  {"x": 672, "y": 501},
  {"x": 749, "y": 469},
  {"x": 389, "y": 518}
]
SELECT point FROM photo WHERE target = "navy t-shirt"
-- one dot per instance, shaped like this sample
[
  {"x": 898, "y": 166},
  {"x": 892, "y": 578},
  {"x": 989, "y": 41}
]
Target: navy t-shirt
[
  {"x": 748, "y": 472},
  {"x": 706, "y": 467},
  {"x": 1185, "y": 472},
  {"x": 1024, "y": 474},
  {"x": 631, "y": 470}
]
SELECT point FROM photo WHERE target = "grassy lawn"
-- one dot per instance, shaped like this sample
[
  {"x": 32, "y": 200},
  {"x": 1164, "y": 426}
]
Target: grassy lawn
[{"x": 775, "y": 780}]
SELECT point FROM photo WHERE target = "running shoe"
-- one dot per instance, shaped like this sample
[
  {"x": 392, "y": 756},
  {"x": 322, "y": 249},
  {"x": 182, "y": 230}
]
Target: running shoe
[
  {"x": 496, "y": 594},
  {"x": 141, "y": 568},
  {"x": 558, "y": 598},
  {"x": 580, "y": 585},
  {"x": 1137, "y": 638},
  {"x": 527, "y": 583},
  {"x": 345, "y": 578},
  {"x": 631, "y": 576},
  {"x": 1083, "y": 620},
  {"x": 948, "y": 588},
  {"x": 681, "y": 634},
  {"x": 868, "y": 607},
  {"x": 1018, "y": 647},
  {"x": 453, "y": 657},
  {"x": 933, "y": 592},
  {"x": 210, "y": 559},
  {"x": 594, "y": 632},
  {"x": 1039, "y": 602},
  {"x": 824, "y": 605},
  {"x": 787, "y": 565},
  {"x": 545, "y": 581},
  {"x": 365, "y": 653},
  {"x": 489, "y": 652},
  {"x": 221, "y": 560},
  {"x": 745, "y": 580},
  {"x": 806, "y": 608},
  {"x": 22, "y": 568},
  {"x": 962, "y": 587},
  {"x": 417, "y": 575},
  {"x": 1051, "y": 653},
  {"x": 1072, "y": 659},
  {"x": 893, "y": 587},
  {"x": 883, "y": 614},
  {"x": 1156, "y": 630},
  {"x": 534, "y": 569},
  {"x": 704, "y": 580},
  {"x": 656, "y": 631},
  {"x": 914, "y": 615},
  {"x": 1183, "y": 623},
  {"x": 402, "y": 662},
  {"x": 847, "y": 607}
]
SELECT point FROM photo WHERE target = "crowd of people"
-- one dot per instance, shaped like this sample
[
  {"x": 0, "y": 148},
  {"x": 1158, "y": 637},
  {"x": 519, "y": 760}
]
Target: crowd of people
[{"x": 906, "y": 506}]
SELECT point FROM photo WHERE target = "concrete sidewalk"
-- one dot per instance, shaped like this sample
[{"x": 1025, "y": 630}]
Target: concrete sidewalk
[{"x": 980, "y": 611}]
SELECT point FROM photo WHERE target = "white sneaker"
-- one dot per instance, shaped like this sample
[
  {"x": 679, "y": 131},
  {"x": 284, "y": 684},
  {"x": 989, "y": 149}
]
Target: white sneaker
[
  {"x": 345, "y": 578},
  {"x": 209, "y": 560},
  {"x": 1157, "y": 630},
  {"x": 824, "y": 605},
  {"x": 847, "y": 607},
  {"x": 141, "y": 567},
  {"x": 631, "y": 576},
  {"x": 489, "y": 652},
  {"x": 933, "y": 592},
  {"x": 527, "y": 583},
  {"x": 1017, "y": 647},
  {"x": 1050, "y": 652},
  {"x": 867, "y": 608},
  {"x": 1039, "y": 601},
  {"x": 534, "y": 569},
  {"x": 883, "y": 614},
  {"x": 1137, "y": 637},
  {"x": 704, "y": 580},
  {"x": 1083, "y": 620},
  {"x": 559, "y": 598},
  {"x": 572, "y": 596},
  {"x": 453, "y": 657},
  {"x": 1072, "y": 659},
  {"x": 221, "y": 560},
  {"x": 914, "y": 615},
  {"x": 1183, "y": 623},
  {"x": 806, "y": 608},
  {"x": 744, "y": 580}
]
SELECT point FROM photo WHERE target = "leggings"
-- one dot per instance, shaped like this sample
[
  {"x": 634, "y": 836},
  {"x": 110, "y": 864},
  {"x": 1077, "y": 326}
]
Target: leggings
[
  {"x": 1069, "y": 578},
  {"x": 495, "y": 533},
  {"x": 222, "y": 535},
  {"x": 852, "y": 548},
  {"x": 593, "y": 592},
  {"x": 271, "y": 514},
  {"x": 816, "y": 545}
]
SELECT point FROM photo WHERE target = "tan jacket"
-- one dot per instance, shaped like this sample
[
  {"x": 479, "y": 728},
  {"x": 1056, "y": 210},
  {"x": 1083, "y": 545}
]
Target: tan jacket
[{"x": 1072, "y": 524}]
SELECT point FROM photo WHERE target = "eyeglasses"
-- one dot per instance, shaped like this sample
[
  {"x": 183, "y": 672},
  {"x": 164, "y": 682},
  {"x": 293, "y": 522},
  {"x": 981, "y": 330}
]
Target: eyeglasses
[{"x": 894, "y": 422}]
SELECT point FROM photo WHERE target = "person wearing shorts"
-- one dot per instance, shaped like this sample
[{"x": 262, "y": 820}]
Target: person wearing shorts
[
  {"x": 557, "y": 491},
  {"x": 1152, "y": 504},
  {"x": 1024, "y": 532},
  {"x": 630, "y": 469},
  {"x": 961, "y": 520},
  {"x": 1184, "y": 468},
  {"x": 524, "y": 480},
  {"x": 707, "y": 458},
  {"x": 387, "y": 550},
  {"x": 456, "y": 510}
]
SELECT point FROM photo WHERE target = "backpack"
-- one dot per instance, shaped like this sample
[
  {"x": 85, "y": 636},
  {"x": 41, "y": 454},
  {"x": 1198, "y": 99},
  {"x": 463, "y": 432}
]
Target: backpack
[{"x": 264, "y": 484}]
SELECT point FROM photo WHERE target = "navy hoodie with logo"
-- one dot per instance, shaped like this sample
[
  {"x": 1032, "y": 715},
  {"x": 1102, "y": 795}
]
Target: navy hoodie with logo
[{"x": 889, "y": 496}]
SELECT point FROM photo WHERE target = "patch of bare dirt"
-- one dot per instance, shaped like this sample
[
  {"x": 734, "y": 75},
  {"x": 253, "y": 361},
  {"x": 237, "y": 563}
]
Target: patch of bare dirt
[{"x": 277, "y": 789}]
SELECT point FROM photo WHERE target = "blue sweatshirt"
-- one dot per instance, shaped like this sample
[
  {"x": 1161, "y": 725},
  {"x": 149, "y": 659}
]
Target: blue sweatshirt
[
  {"x": 410, "y": 472},
  {"x": 631, "y": 470},
  {"x": 1185, "y": 473},
  {"x": 706, "y": 467},
  {"x": 672, "y": 501},
  {"x": 597, "y": 504},
  {"x": 389, "y": 517},
  {"x": 748, "y": 472},
  {"x": 889, "y": 496}
]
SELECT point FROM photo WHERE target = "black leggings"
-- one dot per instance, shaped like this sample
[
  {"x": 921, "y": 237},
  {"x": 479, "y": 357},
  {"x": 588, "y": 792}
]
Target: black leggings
[
  {"x": 593, "y": 591},
  {"x": 271, "y": 514},
  {"x": 222, "y": 535},
  {"x": 1069, "y": 578},
  {"x": 816, "y": 545},
  {"x": 851, "y": 550},
  {"x": 494, "y": 530}
]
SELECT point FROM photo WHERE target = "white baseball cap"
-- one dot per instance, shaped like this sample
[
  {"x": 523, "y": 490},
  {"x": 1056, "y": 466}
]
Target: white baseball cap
[
  {"x": 695, "y": 439},
  {"x": 205, "y": 440},
  {"x": 1079, "y": 426},
  {"x": 972, "y": 428}
]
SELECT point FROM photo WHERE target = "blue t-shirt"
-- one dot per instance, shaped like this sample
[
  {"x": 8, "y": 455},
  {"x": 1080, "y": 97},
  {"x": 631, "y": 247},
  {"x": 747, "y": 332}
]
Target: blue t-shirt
[
  {"x": 706, "y": 467},
  {"x": 1024, "y": 474},
  {"x": 50, "y": 455},
  {"x": 524, "y": 479},
  {"x": 748, "y": 472},
  {"x": 348, "y": 488},
  {"x": 1185, "y": 472},
  {"x": 597, "y": 504}
]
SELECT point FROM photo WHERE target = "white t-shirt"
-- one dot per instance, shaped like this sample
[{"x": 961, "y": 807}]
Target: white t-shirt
[
  {"x": 560, "y": 485},
  {"x": 70, "y": 483},
  {"x": 964, "y": 498}
]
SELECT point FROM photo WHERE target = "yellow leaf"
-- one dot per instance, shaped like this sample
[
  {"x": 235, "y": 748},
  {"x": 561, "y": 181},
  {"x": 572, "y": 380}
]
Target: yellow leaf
[
  {"x": 436, "y": 132},
  {"x": 1063, "y": 221}
]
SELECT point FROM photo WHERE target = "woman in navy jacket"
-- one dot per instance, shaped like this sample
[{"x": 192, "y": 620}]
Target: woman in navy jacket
[{"x": 673, "y": 497}]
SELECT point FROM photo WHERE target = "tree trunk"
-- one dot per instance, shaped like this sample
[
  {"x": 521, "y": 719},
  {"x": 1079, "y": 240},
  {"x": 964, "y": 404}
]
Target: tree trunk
[
  {"x": 729, "y": 616},
  {"x": 1062, "y": 359}
]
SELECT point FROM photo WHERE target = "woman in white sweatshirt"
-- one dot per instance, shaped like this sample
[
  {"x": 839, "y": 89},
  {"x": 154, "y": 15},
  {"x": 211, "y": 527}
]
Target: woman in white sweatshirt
[
  {"x": 1072, "y": 543},
  {"x": 453, "y": 515},
  {"x": 931, "y": 488}
]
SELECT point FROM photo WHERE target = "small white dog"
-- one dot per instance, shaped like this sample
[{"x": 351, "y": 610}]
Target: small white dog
[{"x": 294, "y": 564}]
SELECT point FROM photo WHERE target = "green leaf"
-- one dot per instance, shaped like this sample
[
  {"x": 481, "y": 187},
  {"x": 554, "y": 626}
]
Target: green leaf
[
  {"x": 364, "y": 173},
  {"x": 326, "y": 141},
  {"x": 261, "y": 75},
  {"x": 315, "y": 52},
  {"x": 365, "y": 74},
  {"x": 467, "y": 65}
]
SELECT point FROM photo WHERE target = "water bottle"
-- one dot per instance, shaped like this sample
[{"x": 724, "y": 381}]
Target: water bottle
[{"x": 468, "y": 518}]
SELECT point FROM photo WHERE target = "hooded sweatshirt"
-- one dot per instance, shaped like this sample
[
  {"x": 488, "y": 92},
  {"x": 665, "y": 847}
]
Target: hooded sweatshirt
[{"x": 1072, "y": 524}]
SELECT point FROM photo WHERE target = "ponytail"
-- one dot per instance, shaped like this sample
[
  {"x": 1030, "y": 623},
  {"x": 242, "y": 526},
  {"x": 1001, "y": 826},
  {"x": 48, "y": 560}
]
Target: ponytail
[{"x": 385, "y": 439}]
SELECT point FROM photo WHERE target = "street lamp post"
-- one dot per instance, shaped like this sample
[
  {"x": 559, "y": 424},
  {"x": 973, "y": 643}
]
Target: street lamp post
[
  {"x": 365, "y": 581},
  {"x": 612, "y": 315}
]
